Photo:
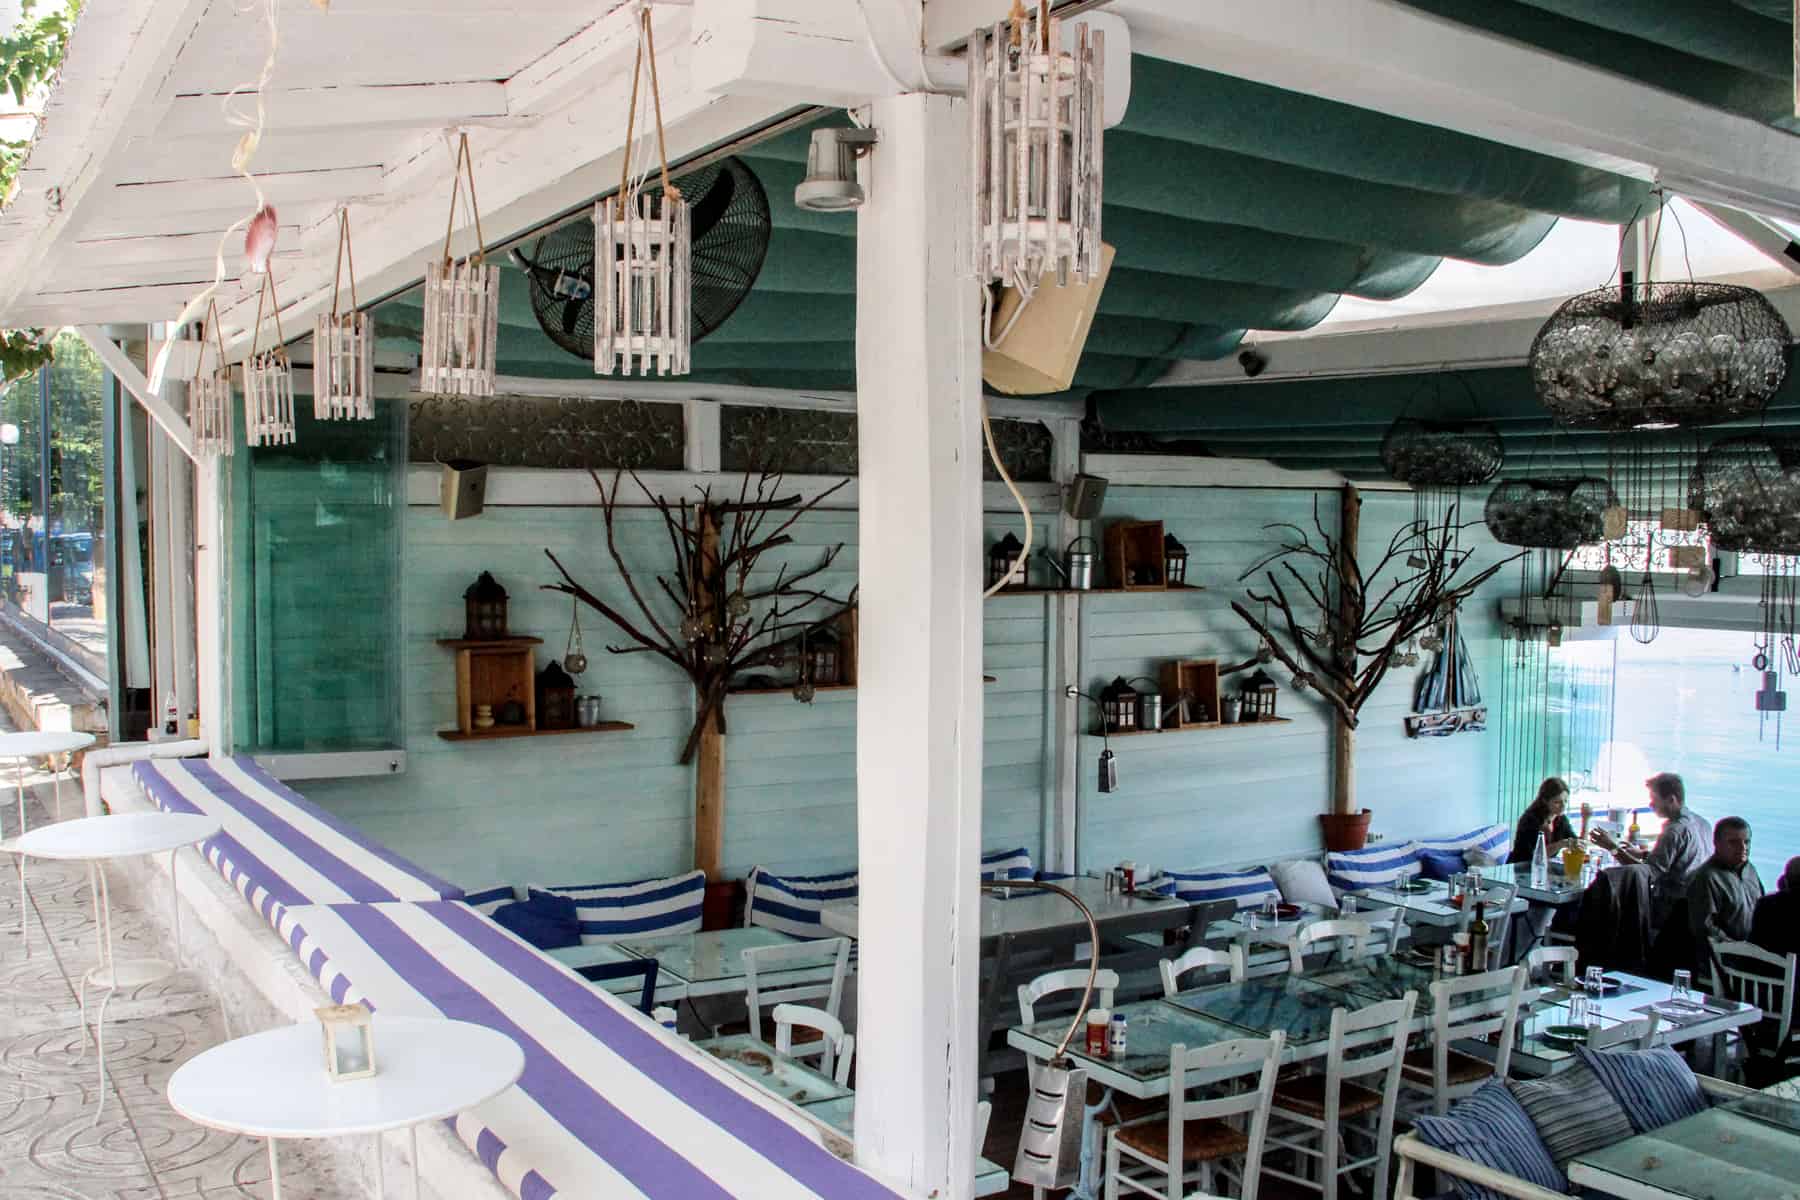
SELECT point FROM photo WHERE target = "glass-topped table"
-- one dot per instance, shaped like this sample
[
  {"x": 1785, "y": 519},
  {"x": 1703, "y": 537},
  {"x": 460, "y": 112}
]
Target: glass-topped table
[
  {"x": 1294, "y": 1004},
  {"x": 757, "y": 1061},
  {"x": 669, "y": 988},
  {"x": 1151, "y": 1028},
  {"x": 990, "y": 1177},
  {"x": 712, "y": 963},
  {"x": 1557, "y": 890},
  {"x": 1425, "y": 901},
  {"x": 1743, "y": 1149}
]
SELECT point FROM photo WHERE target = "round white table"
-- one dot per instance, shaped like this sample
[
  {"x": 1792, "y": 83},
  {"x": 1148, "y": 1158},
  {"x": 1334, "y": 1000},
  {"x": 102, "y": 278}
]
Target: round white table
[
  {"x": 94, "y": 840},
  {"x": 273, "y": 1084},
  {"x": 22, "y": 746}
]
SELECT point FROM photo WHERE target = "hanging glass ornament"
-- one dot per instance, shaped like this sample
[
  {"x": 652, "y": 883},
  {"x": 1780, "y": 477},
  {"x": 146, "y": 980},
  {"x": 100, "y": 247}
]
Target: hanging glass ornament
[
  {"x": 642, "y": 238},
  {"x": 209, "y": 395},
  {"x": 737, "y": 606},
  {"x": 462, "y": 306},
  {"x": 343, "y": 349},
  {"x": 693, "y": 628},
  {"x": 713, "y": 654},
  {"x": 268, "y": 380},
  {"x": 574, "y": 653}
]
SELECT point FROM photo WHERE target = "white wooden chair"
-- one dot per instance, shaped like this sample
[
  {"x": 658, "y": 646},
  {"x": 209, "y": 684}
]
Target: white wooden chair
[
  {"x": 832, "y": 1047},
  {"x": 1751, "y": 975},
  {"x": 1161, "y": 1155},
  {"x": 1314, "y": 1114},
  {"x": 1070, "y": 979},
  {"x": 821, "y": 965},
  {"x": 1553, "y": 964},
  {"x": 1201, "y": 959},
  {"x": 1354, "y": 937},
  {"x": 1638, "y": 1035},
  {"x": 1460, "y": 1009},
  {"x": 1390, "y": 921}
]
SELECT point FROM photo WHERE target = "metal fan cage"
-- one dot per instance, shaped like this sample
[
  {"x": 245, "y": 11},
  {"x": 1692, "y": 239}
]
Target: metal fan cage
[
  {"x": 1749, "y": 490},
  {"x": 1660, "y": 356},
  {"x": 1550, "y": 513},
  {"x": 1442, "y": 453}
]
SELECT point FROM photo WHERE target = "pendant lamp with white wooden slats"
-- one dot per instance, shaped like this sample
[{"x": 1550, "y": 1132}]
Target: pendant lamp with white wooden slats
[
  {"x": 344, "y": 349},
  {"x": 268, "y": 380},
  {"x": 209, "y": 395},
  {"x": 642, "y": 241},
  {"x": 462, "y": 307}
]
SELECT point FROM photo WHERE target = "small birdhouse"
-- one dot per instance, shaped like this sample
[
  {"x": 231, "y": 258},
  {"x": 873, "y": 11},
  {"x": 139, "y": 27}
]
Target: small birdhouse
[
  {"x": 555, "y": 697},
  {"x": 824, "y": 658},
  {"x": 484, "y": 605},
  {"x": 1119, "y": 707},
  {"x": 1003, "y": 562},
  {"x": 349, "y": 1041},
  {"x": 1175, "y": 561},
  {"x": 1258, "y": 695}
]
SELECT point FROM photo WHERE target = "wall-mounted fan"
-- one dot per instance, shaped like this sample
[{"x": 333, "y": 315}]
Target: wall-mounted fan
[{"x": 730, "y": 220}]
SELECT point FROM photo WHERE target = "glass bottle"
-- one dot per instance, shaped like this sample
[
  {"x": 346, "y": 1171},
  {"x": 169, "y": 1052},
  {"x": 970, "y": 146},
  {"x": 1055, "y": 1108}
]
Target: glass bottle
[
  {"x": 1478, "y": 940},
  {"x": 1540, "y": 862}
]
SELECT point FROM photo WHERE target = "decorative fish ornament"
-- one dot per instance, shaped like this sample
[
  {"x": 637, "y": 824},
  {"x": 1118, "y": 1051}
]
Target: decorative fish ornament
[{"x": 259, "y": 239}]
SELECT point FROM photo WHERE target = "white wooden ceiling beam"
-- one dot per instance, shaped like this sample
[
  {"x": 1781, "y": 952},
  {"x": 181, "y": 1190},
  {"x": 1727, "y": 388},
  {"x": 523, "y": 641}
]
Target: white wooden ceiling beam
[
  {"x": 156, "y": 197},
  {"x": 1774, "y": 241},
  {"x": 835, "y": 52},
  {"x": 127, "y": 373},
  {"x": 569, "y": 70},
  {"x": 1392, "y": 58},
  {"x": 162, "y": 249},
  {"x": 410, "y": 106}
]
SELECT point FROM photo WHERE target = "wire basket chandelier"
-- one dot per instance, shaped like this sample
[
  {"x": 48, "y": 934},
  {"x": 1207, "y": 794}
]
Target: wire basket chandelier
[
  {"x": 642, "y": 241},
  {"x": 1552, "y": 512},
  {"x": 343, "y": 349},
  {"x": 268, "y": 380},
  {"x": 1749, "y": 489},
  {"x": 1035, "y": 115},
  {"x": 209, "y": 394},
  {"x": 462, "y": 305}
]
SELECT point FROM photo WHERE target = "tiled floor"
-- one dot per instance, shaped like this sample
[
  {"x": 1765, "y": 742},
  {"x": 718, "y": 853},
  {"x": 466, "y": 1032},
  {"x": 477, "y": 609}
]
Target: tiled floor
[{"x": 51, "y": 1148}]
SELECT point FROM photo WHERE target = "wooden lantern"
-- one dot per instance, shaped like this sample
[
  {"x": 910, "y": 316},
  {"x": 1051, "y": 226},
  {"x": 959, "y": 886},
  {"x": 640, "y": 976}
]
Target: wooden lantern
[
  {"x": 824, "y": 658},
  {"x": 462, "y": 307},
  {"x": 1175, "y": 561},
  {"x": 1258, "y": 695},
  {"x": 349, "y": 1041},
  {"x": 555, "y": 698},
  {"x": 1003, "y": 562},
  {"x": 484, "y": 605},
  {"x": 1119, "y": 707},
  {"x": 268, "y": 380}
]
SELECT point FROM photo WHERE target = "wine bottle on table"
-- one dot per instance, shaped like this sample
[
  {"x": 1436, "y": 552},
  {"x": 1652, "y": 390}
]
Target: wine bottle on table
[{"x": 1478, "y": 940}]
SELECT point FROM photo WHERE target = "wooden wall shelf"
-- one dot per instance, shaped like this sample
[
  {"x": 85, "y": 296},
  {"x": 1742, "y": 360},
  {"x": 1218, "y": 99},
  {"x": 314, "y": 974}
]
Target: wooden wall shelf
[
  {"x": 1095, "y": 591},
  {"x": 1209, "y": 727},
  {"x": 500, "y": 732},
  {"x": 788, "y": 689}
]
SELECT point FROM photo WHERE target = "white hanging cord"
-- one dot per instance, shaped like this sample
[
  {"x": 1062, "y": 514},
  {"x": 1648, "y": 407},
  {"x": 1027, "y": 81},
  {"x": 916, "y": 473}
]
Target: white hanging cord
[
  {"x": 240, "y": 162},
  {"x": 989, "y": 338},
  {"x": 987, "y": 431}
]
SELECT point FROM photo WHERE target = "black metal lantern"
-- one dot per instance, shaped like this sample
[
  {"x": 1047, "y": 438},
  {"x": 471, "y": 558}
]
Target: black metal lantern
[
  {"x": 1004, "y": 563},
  {"x": 1258, "y": 695},
  {"x": 484, "y": 605},
  {"x": 824, "y": 658},
  {"x": 1175, "y": 558},
  {"x": 555, "y": 698},
  {"x": 1119, "y": 707}
]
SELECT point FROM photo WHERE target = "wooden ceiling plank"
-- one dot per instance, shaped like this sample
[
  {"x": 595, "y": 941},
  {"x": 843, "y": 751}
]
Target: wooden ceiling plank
[{"x": 385, "y": 107}]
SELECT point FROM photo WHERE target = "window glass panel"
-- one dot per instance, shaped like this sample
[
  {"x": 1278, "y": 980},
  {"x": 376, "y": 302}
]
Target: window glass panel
[
  {"x": 21, "y": 457},
  {"x": 75, "y": 581}
]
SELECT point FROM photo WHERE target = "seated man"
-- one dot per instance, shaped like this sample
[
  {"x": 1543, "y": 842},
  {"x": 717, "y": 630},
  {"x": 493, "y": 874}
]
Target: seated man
[
  {"x": 1723, "y": 893},
  {"x": 1679, "y": 849},
  {"x": 1775, "y": 926}
]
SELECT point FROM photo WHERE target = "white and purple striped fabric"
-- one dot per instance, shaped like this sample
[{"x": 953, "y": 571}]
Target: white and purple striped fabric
[
  {"x": 609, "y": 1105},
  {"x": 1375, "y": 866},
  {"x": 277, "y": 848},
  {"x": 1002, "y": 865},
  {"x": 646, "y": 908},
  {"x": 1246, "y": 889},
  {"x": 791, "y": 904},
  {"x": 1492, "y": 840}
]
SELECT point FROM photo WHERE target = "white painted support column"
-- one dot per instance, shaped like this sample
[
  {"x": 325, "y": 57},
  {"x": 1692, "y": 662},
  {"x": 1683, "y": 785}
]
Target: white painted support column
[
  {"x": 1062, "y": 646},
  {"x": 919, "y": 704},
  {"x": 210, "y": 655}
]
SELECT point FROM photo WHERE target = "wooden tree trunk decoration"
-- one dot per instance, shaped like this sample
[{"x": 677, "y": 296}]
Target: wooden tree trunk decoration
[
  {"x": 709, "y": 619},
  {"x": 1365, "y": 616}
]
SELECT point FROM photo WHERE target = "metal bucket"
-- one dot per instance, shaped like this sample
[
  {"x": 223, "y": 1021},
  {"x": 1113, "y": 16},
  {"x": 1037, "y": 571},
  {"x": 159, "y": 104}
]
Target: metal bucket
[{"x": 1078, "y": 565}]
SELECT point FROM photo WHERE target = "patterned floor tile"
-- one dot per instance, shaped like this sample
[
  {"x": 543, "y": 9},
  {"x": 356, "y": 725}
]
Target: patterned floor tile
[{"x": 54, "y": 1142}]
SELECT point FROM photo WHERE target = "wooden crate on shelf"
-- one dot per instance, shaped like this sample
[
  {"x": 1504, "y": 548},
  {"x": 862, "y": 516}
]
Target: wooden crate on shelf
[
  {"x": 1199, "y": 678},
  {"x": 1134, "y": 556},
  {"x": 494, "y": 672}
]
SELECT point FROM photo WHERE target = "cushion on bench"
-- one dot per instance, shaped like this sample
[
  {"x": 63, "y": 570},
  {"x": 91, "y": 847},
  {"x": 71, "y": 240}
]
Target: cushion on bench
[
  {"x": 490, "y": 900},
  {"x": 790, "y": 904},
  {"x": 1375, "y": 866},
  {"x": 1492, "y": 840},
  {"x": 645, "y": 908},
  {"x": 1491, "y": 1129},
  {"x": 1245, "y": 888},
  {"x": 1654, "y": 1087},
  {"x": 609, "y": 1104},
  {"x": 275, "y": 846},
  {"x": 1000, "y": 865}
]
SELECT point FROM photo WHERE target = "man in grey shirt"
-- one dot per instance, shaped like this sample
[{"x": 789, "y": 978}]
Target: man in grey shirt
[
  {"x": 1723, "y": 893},
  {"x": 1685, "y": 843}
]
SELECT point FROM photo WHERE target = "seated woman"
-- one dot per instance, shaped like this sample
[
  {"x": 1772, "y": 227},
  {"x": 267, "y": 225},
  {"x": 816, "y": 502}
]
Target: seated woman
[{"x": 1544, "y": 816}]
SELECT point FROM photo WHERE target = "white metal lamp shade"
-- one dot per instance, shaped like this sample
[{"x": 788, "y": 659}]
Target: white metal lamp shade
[
  {"x": 1035, "y": 149},
  {"x": 642, "y": 314},
  {"x": 343, "y": 367},
  {"x": 462, "y": 315},
  {"x": 269, "y": 399}
]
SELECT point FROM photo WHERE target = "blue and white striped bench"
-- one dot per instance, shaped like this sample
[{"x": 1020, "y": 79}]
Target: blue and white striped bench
[
  {"x": 609, "y": 1105},
  {"x": 276, "y": 847}
]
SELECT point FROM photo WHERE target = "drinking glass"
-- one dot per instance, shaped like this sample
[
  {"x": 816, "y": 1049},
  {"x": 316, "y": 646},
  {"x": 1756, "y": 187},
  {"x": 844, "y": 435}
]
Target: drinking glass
[
  {"x": 1579, "y": 1011},
  {"x": 1253, "y": 920},
  {"x": 1347, "y": 906},
  {"x": 1595, "y": 980},
  {"x": 1681, "y": 990},
  {"x": 1269, "y": 910}
]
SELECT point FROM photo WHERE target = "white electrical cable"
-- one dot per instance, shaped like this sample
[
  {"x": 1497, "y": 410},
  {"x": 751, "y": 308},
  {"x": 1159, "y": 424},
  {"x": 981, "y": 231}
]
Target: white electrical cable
[
  {"x": 988, "y": 337},
  {"x": 987, "y": 432}
]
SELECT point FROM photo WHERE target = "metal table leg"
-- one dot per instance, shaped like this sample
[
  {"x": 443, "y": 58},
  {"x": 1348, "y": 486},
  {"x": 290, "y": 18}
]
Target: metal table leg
[
  {"x": 24, "y": 897},
  {"x": 274, "y": 1172}
]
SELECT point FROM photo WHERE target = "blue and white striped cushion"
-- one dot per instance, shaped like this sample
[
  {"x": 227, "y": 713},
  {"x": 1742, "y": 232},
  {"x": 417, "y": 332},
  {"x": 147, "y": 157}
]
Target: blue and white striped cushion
[
  {"x": 1376, "y": 866},
  {"x": 1491, "y": 1129},
  {"x": 1247, "y": 888},
  {"x": 609, "y": 1104},
  {"x": 790, "y": 904},
  {"x": 488, "y": 900},
  {"x": 1654, "y": 1086},
  {"x": 1492, "y": 840},
  {"x": 1006, "y": 864},
  {"x": 648, "y": 908}
]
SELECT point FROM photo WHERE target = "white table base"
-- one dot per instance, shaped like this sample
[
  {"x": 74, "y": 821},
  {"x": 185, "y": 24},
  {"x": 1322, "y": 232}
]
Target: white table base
[
  {"x": 19, "y": 766},
  {"x": 412, "y": 1149}
]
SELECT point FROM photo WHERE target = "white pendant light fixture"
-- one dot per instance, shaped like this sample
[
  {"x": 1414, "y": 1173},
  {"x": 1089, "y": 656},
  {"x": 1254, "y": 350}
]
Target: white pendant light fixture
[
  {"x": 343, "y": 349},
  {"x": 462, "y": 306},
  {"x": 209, "y": 395},
  {"x": 641, "y": 242},
  {"x": 268, "y": 380},
  {"x": 1035, "y": 150}
]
